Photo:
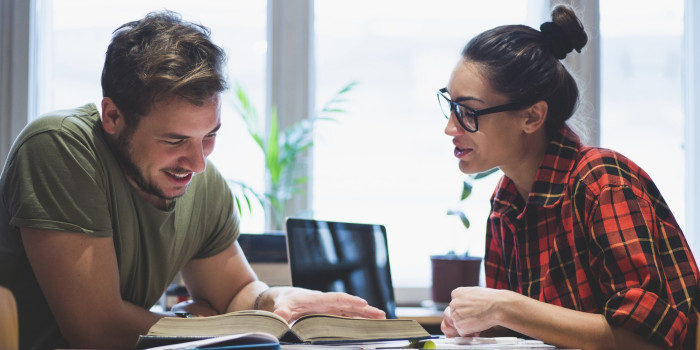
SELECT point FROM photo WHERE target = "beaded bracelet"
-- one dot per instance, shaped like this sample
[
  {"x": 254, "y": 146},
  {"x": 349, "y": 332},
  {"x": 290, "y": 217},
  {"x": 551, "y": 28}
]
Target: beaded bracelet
[{"x": 256, "y": 304}]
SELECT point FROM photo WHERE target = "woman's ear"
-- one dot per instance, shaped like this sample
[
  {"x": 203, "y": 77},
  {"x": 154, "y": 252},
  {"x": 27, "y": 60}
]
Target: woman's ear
[
  {"x": 112, "y": 120},
  {"x": 535, "y": 117}
]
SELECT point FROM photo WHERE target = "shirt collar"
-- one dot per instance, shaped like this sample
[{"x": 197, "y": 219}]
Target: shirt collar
[
  {"x": 553, "y": 175},
  {"x": 551, "y": 178}
]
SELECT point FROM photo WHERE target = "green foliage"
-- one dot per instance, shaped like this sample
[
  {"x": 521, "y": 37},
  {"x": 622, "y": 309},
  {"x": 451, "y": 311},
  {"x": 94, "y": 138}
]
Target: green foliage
[
  {"x": 281, "y": 149},
  {"x": 466, "y": 192}
]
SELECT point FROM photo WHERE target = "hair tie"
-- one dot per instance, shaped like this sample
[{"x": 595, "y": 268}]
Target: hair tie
[{"x": 556, "y": 40}]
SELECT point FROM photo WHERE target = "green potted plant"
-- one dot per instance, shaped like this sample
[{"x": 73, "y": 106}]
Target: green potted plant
[
  {"x": 281, "y": 149},
  {"x": 453, "y": 270}
]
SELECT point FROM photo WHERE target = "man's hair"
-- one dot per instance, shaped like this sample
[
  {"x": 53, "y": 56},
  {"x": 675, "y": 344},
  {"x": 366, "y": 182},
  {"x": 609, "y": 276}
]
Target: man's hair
[{"x": 158, "y": 57}]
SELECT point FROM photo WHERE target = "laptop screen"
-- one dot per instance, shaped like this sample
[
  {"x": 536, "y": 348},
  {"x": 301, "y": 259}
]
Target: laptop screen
[{"x": 342, "y": 257}]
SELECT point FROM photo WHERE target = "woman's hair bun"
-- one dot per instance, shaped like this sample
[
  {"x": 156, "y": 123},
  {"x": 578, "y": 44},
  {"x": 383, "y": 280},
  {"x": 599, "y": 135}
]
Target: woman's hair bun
[{"x": 564, "y": 33}]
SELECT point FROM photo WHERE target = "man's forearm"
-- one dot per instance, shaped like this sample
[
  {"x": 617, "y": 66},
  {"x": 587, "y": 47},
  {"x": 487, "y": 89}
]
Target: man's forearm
[
  {"x": 245, "y": 299},
  {"x": 119, "y": 328}
]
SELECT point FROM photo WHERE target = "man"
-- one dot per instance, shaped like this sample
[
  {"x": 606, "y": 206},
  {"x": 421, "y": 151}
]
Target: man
[{"x": 98, "y": 212}]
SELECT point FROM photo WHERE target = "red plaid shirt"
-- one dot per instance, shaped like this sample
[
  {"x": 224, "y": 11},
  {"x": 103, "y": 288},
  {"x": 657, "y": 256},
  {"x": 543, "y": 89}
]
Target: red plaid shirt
[{"x": 596, "y": 236}]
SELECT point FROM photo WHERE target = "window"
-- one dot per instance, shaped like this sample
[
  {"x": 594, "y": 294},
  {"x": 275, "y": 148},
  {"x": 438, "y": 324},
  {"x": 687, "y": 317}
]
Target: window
[
  {"x": 73, "y": 39},
  {"x": 641, "y": 91},
  {"x": 387, "y": 160}
]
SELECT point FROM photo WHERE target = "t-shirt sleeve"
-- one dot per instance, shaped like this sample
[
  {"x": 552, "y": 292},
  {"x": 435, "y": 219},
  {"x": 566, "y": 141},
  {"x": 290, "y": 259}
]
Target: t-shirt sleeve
[
  {"x": 642, "y": 270},
  {"x": 56, "y": 183},
  {"x": 221, "y": 215}
]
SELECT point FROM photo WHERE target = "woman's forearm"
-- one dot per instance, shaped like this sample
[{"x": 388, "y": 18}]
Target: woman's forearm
[{"x": 564, "y": 327}]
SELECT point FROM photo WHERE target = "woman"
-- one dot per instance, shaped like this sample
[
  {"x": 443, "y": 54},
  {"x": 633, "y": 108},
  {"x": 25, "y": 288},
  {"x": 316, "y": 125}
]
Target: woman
[{"x": 582, "y": 250}]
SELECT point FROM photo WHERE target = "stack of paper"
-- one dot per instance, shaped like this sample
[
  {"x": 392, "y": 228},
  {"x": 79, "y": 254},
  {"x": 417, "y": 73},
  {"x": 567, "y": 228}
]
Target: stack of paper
[{"x": 483, "y": 343}]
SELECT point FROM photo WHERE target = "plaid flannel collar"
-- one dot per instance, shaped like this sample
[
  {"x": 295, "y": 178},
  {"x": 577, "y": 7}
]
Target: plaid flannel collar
[{"x": 552, "y": 176}]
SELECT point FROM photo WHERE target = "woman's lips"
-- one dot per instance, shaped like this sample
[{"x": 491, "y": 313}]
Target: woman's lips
[{"x": 461, "y": 152}]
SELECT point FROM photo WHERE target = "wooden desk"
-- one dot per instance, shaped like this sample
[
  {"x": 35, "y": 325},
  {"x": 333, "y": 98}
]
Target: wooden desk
[{"x": 428, "y": 317}]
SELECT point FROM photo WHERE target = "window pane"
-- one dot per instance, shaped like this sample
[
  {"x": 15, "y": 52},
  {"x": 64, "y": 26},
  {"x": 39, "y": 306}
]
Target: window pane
[
  {"x": 74, "y": 37},
  {"x": 641, "y": 94},
  {"x": 387, "y": 159}
]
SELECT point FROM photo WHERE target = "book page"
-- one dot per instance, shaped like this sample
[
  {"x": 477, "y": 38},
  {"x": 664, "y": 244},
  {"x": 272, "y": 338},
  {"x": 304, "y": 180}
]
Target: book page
[
  {"x": 327, "y": 328},
  {"x": 221, "y": 325}
]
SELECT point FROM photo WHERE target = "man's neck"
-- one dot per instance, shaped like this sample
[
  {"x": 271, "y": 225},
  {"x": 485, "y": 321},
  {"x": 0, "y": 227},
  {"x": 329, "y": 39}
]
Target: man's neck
[{"x": 157, "y": 202}]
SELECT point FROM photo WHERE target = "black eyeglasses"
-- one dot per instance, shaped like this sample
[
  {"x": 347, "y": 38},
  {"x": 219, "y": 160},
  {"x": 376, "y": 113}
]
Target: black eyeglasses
[{"x": 467, "y": 116}]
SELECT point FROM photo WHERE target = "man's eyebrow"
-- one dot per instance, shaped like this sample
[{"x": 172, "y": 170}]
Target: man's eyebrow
[
  {"x": 184, "y": 137},
  {"x": 218, "y": 126}
]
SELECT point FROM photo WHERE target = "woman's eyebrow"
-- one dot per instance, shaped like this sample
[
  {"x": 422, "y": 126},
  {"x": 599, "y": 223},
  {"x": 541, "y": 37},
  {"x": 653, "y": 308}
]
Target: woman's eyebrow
[{"x": 467, "y": 98}]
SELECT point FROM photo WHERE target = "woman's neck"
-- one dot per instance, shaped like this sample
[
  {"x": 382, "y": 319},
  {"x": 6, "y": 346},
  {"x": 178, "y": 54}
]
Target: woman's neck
[{"x": 524, "y": 169}]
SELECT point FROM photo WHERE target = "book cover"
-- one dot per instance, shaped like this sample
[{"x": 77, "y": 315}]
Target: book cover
[{"x": 244, "y": 341}]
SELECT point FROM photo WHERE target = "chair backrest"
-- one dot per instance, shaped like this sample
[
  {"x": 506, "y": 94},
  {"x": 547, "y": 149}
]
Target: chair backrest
[{"x": 9, "y": 325}]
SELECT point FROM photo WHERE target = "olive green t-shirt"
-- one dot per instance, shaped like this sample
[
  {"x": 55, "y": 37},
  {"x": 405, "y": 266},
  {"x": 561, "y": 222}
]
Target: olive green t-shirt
[{"x": 61, "y": 175}]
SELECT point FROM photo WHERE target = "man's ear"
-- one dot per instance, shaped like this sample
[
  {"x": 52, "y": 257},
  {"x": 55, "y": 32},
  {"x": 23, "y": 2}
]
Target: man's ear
[
  {"x": 535, "y": 117},
  {"x": 112, "y": 119}
]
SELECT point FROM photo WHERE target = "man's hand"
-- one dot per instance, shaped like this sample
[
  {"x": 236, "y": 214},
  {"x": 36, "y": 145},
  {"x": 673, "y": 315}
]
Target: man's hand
[
  {"x": 197, "y": 308},
  {"x": 292, "y": 303}
]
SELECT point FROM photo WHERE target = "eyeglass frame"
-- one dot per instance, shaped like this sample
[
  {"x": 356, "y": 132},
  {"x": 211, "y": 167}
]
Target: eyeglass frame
[{"x": 510, "y": 106}]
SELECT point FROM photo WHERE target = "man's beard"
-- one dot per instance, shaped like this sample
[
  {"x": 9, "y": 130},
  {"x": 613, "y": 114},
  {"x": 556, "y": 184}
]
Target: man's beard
[{"x": 121, "y": 148}]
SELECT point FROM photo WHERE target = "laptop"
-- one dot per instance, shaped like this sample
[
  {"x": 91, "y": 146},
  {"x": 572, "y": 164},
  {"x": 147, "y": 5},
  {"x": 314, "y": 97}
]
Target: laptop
[{"x": 345, "y": 257}]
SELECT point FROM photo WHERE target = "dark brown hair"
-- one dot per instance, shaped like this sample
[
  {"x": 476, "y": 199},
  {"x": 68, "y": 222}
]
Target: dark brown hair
[
  {"x": 523, "y": 63},
  {"x": 158, "y": 57}
]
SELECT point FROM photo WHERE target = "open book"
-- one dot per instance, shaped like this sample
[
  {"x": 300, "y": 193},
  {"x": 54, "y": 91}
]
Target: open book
[{"x": 307, "y": 329}]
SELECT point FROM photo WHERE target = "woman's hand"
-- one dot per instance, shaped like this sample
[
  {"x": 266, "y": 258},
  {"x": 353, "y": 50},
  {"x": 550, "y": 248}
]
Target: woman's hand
[
  {"x": 472, "y": 310},
  {"x": 292, "y": 303},
  {"x": 447, "y": 326}
]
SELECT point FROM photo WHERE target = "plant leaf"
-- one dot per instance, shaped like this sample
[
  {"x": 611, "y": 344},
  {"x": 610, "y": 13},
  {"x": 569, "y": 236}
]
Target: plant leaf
[
  {"x": 250, "y": 116},
  {"x": 462, "y": 217},
  {"x": 245, "y": 192},
  {"x": 338, "y": 98},
  {"x": 272, "y": 150},
  {"x": 466, "y": 190},
  {"x": 281, "y": 147}
]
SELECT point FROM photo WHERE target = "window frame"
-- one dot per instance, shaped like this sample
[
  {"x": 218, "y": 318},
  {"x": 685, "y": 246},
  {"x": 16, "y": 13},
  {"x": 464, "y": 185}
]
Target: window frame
[
  {"x": 18, "y": 42},
  {"x": 691, "y": 96}
]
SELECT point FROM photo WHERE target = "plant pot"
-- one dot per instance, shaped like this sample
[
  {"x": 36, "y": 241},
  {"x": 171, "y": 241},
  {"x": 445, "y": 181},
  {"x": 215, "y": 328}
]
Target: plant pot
[{"x": 450, "y": 272}]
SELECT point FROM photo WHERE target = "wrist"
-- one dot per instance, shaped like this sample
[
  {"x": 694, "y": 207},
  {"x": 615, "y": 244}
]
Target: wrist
[
  {"x": 503, "y": 305},
  {"x": 507, "y": 304},
  {"x": 258, "y": 303}
]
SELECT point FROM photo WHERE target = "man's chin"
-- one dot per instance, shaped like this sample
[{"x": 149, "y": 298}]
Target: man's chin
[
  {"x": 174, "y": 194},
  {"x": 169, "y": 195}
]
